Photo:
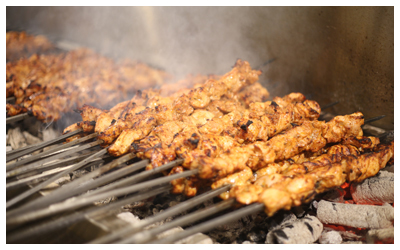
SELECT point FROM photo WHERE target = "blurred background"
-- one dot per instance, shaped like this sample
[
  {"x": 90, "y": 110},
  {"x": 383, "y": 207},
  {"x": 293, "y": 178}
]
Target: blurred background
[{"x": 343, "y": 54}]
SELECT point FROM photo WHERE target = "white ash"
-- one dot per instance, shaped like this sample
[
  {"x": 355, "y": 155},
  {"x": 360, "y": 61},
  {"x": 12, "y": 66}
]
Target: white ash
[
  {"x": 248, "y": 242},
  {"x": 30, "y": 139},
  {"x": 388, "y": 168},
  {"x": 198, "y": 238},
  {"x": 359, "y": 216},
  {"x": 330, "y": 237},
  {"x": 301, "y": 231},
  {"x": 353, "y": 242},
  {"x": 375, "y": 190},
  {"x": 16, "y": 139},
  {"x": 380, "y": 234}
]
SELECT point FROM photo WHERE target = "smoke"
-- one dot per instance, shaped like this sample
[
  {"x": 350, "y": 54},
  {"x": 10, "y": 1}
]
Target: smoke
[{"x": 181, "y": 40}]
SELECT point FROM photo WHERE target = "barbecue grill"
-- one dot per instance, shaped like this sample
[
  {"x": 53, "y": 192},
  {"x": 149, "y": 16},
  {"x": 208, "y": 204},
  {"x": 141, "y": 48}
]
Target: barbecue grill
[{"x": 30, "y": 216}]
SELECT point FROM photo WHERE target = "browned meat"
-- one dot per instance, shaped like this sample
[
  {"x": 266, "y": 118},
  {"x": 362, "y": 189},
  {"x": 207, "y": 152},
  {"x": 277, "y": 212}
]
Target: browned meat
[
  {"x": 21, "y": 44},
  {"x": 52, "y": 84}
]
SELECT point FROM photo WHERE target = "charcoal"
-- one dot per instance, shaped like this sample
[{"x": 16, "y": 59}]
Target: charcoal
[
  {"x": 352, "y": 242},
  {"x": 375, "y": 190},
  {"x": 374, "y": 235},
  {"x": 300, "y": 231},
  {"x": 359, "y": 216},
  {"x": 248, "y": 242},
  {"x": 330, "y": 237},
  {"x": 16, "y": 139},
  {"x": 30, "y": 139}
]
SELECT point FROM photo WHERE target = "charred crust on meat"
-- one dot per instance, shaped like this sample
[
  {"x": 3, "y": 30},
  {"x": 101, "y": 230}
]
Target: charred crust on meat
[
  {"x": 30, "y": 112},
  {"x": 249, "y": 122},
  {"x": 194, "y": 141},
  {"x": 135, "y": 146},
  {"x": 113, "y": 121},
  {"x": 92, "y": 123},
  {"x": 273, "y": 103},
  {"x": 309, "y": 227},
  {"x": 294, "y": 124},
  {"x": 334, "y": 206}
]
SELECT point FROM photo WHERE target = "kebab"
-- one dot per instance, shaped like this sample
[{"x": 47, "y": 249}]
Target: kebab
[
  {"x": 20, "y": 44},
  {"x": 48, "y": 85},
  {"x": 292, "y": 191}
]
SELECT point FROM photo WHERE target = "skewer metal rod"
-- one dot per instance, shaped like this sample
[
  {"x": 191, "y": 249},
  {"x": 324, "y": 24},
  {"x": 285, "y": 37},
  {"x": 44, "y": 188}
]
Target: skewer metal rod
[
  {"x": 69, "y": 189},
  {"x": 42, "y": 176},
  {"x": 329, "y": 105},
  {"x": 10, "y": 99},
  {"x": 177, "y": 209},
  {"x": 136, "y": 178},
  {"x": 374, "y": 119},
  {"x": 81, "y": 215},
  {"x": 145, "y": 236},
  {"x": 50, "y": 180},
  {"x": 32, "y": 148},
  {"x": 83, "y": 201},
  {"x": 16, "y": 118},
  {"x": 81, "y": 188},
  {"x": 208, "y": 225},
  {"x": 52, "y": 150},
  {"x": 34, "y": 165},
  {"x": 56, "y": 164}
]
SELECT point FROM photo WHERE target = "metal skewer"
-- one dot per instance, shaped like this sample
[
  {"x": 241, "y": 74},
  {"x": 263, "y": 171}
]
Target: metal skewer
[
  {"x": 145, "y": 236},
  {"x": 52, "y": 150},
  {"x": 208, "y": 225},
  {"x": 32, "y": 148},
  {"x": 16, "y": 118},
  {"x": 136, "y": 178},
  {"x": 172, "y": 211},
  {"x": 56, "y": 164},
  {"x": 14, "y": 172},
  {"x": 50, "y": 180},
  {"x": 329, "y": 105},
  {"x": 44, "y": 175},
  {"x": 83, "y": 201},
  {"x": 374, "y": 119},
  {"x": 65, "y": 221},
  {"x": 67, "y": 190},
  {"x": 10, "y": 99}
]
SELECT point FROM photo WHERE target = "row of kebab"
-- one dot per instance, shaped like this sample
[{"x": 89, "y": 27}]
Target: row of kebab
[{"x": 273, "y": 151}]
